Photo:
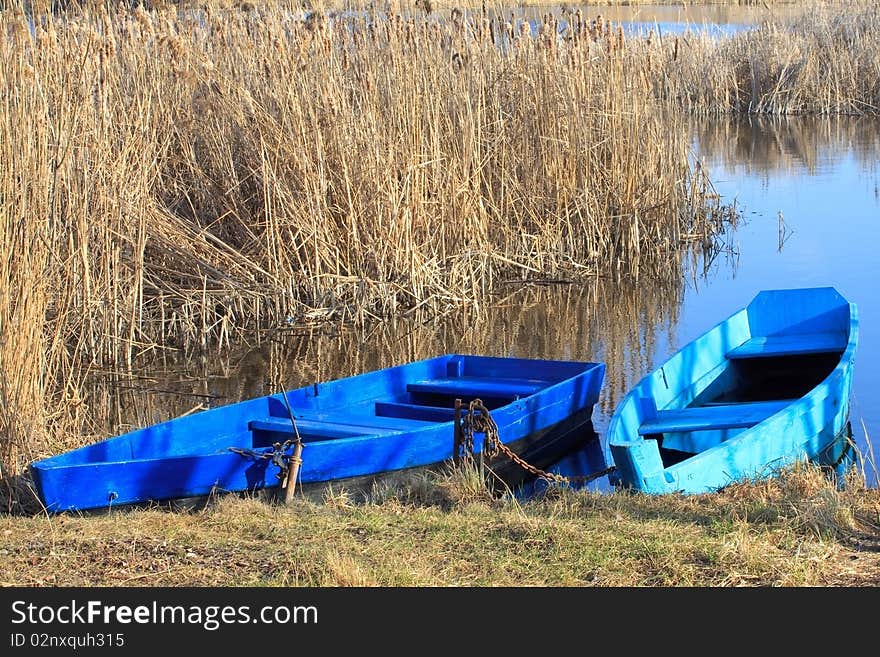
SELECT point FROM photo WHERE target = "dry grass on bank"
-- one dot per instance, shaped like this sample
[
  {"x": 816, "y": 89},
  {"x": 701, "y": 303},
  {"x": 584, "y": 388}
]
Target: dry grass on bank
[{"x": 798, "y": 530}]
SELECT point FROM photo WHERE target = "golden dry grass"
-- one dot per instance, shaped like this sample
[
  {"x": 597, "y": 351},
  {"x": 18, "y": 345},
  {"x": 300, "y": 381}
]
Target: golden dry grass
[
  {"x": 824, "y": 60},
  {"x": 184, "y": 178},
  {"x": 794, "y": 531}
]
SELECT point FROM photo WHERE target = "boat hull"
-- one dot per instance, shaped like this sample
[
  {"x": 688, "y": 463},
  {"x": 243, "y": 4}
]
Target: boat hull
[
  {"x": 361, "y": 427},
  {"x": 766, "y": 388}
]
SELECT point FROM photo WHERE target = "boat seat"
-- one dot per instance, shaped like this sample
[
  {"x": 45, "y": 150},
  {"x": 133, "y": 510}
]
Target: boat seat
[
  {"x": 364, "y": 418},
  {"x": 313, "y": 428},
  {"x": 472, "y": 386},
  {"x": 790, "y": 345},
  {"x": 720, "y": 416},
  {"x": 415, "y": 411}
]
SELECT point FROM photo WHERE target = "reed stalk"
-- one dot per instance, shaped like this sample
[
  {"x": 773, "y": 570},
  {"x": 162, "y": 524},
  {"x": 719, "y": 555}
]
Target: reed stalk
[{"x": 824, "y": 60}]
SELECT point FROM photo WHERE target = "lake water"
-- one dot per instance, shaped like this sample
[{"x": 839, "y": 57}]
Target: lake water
[
  {"x": 809, "y": 193},
  {"x": 809, "y": 190},
  {"x": 662, "y": 19}
]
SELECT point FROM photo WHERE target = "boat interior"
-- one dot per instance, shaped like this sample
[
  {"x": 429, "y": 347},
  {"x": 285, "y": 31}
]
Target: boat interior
[
  {"x": 750, "y": 386},
  {"x": 418, "y": 404}
]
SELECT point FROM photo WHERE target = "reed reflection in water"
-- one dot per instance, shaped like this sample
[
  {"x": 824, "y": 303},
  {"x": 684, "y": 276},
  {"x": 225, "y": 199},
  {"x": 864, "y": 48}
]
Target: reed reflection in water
[
  {"x": 625, "y": 326},
  {"x": 801, "y": 146}
]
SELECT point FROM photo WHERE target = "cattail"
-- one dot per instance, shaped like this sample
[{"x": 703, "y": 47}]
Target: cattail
[
  {"x": 436, "y": 34},
  {"x": 47, "y": 40},
  {"x": 144, "y": 20},
  {"x": 456, "y": 18},
  {"x": 545, "y": 36}
]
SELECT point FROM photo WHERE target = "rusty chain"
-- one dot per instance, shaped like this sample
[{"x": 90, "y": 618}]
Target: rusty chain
[
  {"x": 277, "y": 456},
  {"x": 478, "y": 420}
]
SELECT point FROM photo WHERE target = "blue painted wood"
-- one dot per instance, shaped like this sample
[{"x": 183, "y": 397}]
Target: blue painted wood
[
  {"x": 367, "y": 425},
  {"x": 799, "y": 404},
  {"x": 312, "y": 428},
  {"x": 364, "y": 415},
  {"x": 473, "y": 387},
  {"x": 713, "y": 416},
  {"x": 700, "y": 440},
  {"x": 415, "y": 411},
  {"x": 767, "y": 346}
]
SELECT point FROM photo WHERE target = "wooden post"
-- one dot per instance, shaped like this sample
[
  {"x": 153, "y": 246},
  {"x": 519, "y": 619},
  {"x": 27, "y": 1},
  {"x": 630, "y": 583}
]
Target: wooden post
[
  {"x": 293, "y": 472},
  {"x": 296, "y": 457}
]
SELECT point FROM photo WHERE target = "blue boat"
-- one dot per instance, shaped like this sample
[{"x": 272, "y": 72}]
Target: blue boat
[
  {"x": 348, "y": 431},
  {"x": 765, "y": 388}
]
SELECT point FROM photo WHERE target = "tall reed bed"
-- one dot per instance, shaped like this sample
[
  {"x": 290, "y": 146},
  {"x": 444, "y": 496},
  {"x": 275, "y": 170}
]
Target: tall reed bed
[
  {"x": 826, "y": 61},
  {"x": 179, "y": 177}
]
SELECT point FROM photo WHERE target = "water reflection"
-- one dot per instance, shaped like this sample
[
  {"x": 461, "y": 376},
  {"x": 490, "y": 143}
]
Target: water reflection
[
  {"x": 583, "y": 468},
  {"x": 819, "y": 174},
  {"x": 776, "y": 146},
  {"x": 622, "y": 325},
  {"x": 816, "y": 179}
]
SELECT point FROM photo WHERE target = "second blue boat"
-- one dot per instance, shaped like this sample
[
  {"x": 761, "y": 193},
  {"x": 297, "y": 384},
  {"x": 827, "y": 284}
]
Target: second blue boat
[{"x": 765, "y": 388}]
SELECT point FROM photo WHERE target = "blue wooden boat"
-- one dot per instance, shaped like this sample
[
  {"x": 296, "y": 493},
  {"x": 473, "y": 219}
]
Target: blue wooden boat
[
  {"x": 350, "y": 430},
  {"x": 766, "y": 387}
]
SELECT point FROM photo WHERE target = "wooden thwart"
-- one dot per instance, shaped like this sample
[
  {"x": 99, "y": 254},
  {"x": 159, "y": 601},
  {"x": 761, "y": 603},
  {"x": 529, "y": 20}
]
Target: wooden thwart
[
  {"x": 790, "y": 345},
  {"x": 473, "y": 387},
  {"x": 420, "y": 412},
  {"x": 701, "y": 418}
]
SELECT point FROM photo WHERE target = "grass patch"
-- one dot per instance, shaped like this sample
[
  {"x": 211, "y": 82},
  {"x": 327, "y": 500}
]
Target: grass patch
[{"x": 766, "y": 534}]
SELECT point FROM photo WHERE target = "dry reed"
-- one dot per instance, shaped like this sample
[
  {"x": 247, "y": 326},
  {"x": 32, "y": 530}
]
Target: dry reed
[
  {"x": 825, "y": 60},
  {"x": 181, "y": 177}
]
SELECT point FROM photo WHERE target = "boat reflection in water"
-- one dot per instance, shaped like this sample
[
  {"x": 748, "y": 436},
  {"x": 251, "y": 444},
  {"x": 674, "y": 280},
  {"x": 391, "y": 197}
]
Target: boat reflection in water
[{"x": 585, "y": 466}]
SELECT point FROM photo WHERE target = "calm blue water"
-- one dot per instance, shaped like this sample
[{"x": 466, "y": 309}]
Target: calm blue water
[
  {"x": 664, "y": 20},
  {"x": 809, "y": 191},
  {"x": 823, "y": 179}
]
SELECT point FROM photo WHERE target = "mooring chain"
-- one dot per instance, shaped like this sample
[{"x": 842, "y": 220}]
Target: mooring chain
[
  {"x": 478, "y": 420},
  {"x": 583, "y": 479},
  {"x": 277, "y": 456}
]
